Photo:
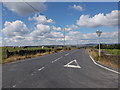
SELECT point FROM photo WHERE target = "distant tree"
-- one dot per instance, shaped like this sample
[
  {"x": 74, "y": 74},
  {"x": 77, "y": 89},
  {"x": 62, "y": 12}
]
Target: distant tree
[{"x": 108, "y": 46}]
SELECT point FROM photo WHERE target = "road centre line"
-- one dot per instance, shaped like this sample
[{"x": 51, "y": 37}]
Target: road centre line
[
  {"x": 14, "y": 86},
  {"x": 62, "y": 56},
  {"x": 73, "y": 51},
  {"x": 41, "y": 69},
  {"x": 103, "y": 66},
  {"x": 67, "y": 54},
  {"x": 19, "y": 61},
  {"x": 57, "y": 59},
  {"x": 32, "y": 74}
]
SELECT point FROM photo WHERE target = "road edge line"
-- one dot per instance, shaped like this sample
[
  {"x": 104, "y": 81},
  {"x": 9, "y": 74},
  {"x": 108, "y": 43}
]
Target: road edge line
[{"x": 103, "y": 66}]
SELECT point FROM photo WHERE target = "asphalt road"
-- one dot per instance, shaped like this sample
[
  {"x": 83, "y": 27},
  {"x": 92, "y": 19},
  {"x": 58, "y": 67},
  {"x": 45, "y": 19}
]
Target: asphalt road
[{"x": 49, "y": 72}]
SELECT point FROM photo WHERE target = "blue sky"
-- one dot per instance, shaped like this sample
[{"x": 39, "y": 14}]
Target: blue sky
[{"x": 63, "y": 13}]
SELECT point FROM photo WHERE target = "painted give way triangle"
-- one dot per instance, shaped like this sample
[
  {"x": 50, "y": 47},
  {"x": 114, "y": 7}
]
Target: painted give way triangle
[{"x": 72, "y": 64}]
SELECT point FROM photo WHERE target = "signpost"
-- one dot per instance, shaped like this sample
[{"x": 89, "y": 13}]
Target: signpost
[
  {"x": 64, "y": 38},
  {"x": 99, "y": 34}
]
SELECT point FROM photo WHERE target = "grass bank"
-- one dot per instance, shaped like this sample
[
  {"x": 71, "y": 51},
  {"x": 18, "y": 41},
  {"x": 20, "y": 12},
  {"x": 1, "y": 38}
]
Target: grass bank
[
  {"x": 20, "y": 53},
  {"x": 109, "y": 60}
]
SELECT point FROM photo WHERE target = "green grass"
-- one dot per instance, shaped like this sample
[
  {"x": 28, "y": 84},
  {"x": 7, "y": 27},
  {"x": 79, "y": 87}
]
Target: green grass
[{"x": 112, "y": 51}]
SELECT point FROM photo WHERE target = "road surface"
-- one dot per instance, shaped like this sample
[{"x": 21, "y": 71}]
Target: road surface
[{"x": 49, "y": 71}]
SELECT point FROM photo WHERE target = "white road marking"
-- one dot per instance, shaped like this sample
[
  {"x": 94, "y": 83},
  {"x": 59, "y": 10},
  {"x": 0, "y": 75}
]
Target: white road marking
[
  {"x": 32, "y": 74},
  {"x": 73, "y": 52},
  {"x": 72, "y": 66},
  {"x": 67, "y": 54},
  {"x": 14, "y": 86},
  {"x": 103, "y": 66},
  {"x": 53, "y": 61},
  {"x": 57, "y": 59},
  {"x": 41, "y": 69},
  {"x": 19, "y": 61}
]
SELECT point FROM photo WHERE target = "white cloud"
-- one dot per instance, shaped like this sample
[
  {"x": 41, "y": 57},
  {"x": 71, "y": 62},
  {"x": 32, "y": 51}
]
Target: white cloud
[
  {"x": 15, "y": 28},
  {"x": 53, "y": 37},
  {"x": 57, "y": 34},
  {"x": 41, "y": 19},
  {"x": 67, "y": 29},
  {"x": 40, "y": 30},
  {"x": 77, "y": 7},
  {"x": 44, "y": 31},
  {"x": 109, "y": 20},
  {"x": 71, "y": 27},
  {"x": 17, "y": 33},
  {"x": 56, "y": 28},
  {"x": 50, "y": 21},
  {"x": 23, "y": 8},
  {"x": 74, "y": 37},
  {"x": 39, "y": 37},
  {"x": 74, "y": 27}
]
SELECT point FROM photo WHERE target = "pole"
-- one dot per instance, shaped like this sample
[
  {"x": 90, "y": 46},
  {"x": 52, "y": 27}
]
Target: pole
[
  {"x": 99, "y": 33},
  {"x": 99, "y": 47},
  {"x": 64, "y": 37},
  {"x": 77, "y": 43}
]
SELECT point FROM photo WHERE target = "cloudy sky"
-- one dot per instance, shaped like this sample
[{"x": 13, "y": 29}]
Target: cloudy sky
[{"x": 31, "y": 23}]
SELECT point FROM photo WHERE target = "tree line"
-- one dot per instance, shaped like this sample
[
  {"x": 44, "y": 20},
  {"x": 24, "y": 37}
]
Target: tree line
[{"x": 108, "y": 46}]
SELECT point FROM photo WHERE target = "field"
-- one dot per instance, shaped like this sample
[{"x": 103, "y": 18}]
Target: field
[{"x": 112, "y": 51}]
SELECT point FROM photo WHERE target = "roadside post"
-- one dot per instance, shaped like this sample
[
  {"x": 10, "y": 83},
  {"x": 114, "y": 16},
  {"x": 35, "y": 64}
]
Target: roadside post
[
  {"x": 64, "y": 38},
  {"x": 99, "y": 34}
]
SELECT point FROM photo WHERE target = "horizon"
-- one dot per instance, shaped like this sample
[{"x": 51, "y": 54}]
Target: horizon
[{"x": 65, "y": 45}]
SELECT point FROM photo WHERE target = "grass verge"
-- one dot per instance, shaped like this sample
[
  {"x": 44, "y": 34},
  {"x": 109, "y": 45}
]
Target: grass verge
[
  {"x": 19, "y": 57},
  {"x": 103, "y": 60}
]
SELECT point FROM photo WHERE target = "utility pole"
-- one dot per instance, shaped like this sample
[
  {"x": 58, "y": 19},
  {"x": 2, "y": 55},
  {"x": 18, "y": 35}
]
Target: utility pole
[
  {"x": 64, "y": 37},
  {"x": 77, "y": 43},
  {"x": 99, "y": 33}
]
